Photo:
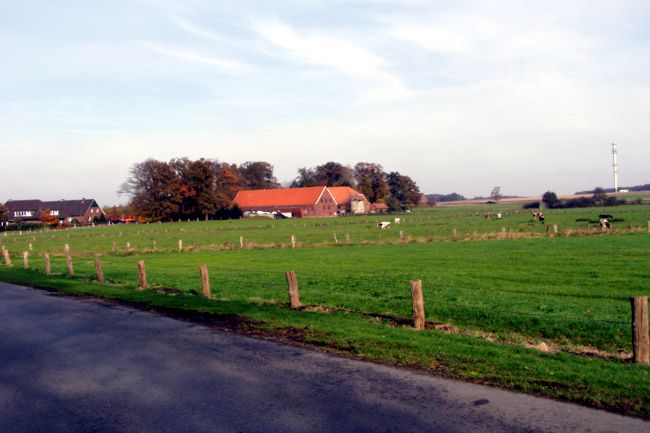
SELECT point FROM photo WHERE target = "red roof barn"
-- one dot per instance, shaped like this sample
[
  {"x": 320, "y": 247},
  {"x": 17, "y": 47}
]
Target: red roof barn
[{"x": 314, "y": 201}]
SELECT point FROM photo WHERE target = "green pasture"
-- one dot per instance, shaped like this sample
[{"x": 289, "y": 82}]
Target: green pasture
[
  {"x": 436, "y": 224},
  {"x": 489, "y": 293}
]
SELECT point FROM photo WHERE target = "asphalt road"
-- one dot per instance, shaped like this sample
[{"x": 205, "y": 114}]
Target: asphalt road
[{"x": 80, "y": 365}]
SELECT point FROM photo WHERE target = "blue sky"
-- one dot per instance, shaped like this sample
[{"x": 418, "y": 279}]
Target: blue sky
[{"x": 460, "y": 95}]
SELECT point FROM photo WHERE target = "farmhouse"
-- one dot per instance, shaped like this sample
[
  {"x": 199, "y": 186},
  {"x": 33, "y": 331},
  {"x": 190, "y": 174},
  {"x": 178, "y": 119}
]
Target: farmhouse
[
  {"x": 82, "y": 211},
  {"x": 349, "y": 201},
  {"x": 315, "y": 201}
]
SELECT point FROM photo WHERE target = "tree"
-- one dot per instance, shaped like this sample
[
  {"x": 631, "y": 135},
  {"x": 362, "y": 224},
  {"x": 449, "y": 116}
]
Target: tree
[
  {"x": 4, "y": 213},
  {"x": 47, "y": 218},
  {"x": 599, "y": 197},
  {"x": 371, "y": 181},
  {"x": 403, "y": 189},
  {"x": 198, "y": 186},
  {"x": 334, "y": 174},
  {"x": 550, "y": 199},
  {"x": 257, "y": 175},
  {"x": 306, "y": 177},
  {"x": 228, "y": 184},
  {"x": 155, "y": 190},
  {"x": 496, "y": 194}
]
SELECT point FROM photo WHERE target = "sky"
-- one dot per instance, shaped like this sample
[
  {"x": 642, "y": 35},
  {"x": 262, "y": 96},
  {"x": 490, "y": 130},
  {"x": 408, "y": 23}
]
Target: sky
[{"x": 459, "y": 95}]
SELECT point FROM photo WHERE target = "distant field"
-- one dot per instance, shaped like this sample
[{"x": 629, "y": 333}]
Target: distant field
[
  {"x": 509, "y": 286},
  {"x": 629, "y": 196}
]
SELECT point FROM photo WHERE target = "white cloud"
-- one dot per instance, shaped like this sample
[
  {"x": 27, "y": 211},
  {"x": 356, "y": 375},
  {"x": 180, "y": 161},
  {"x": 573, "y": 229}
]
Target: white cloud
[
  {"x": 339, "y": 54},
  {"x": 193, "y": 56}
]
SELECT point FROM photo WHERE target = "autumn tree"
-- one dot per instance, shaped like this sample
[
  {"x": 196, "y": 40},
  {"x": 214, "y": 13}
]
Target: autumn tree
[
  {"x": 371, "y": 181},
  {"x": 228, "y": 184},
  {"x": 403, "y": 190},
  {"x": 198, "y": 186},
  {"x": 154, "y": 189},
  {"x": 46, "y": 217},
  {"x": 257, "y": 175}
]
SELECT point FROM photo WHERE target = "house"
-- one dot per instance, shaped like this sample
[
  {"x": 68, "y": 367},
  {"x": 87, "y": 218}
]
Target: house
[
  {"x": 82, "y": 211},
  {"x": 349, "y": 200},
  {"x": 378, "y": 208},
  {"x": 316, "y": 201}
]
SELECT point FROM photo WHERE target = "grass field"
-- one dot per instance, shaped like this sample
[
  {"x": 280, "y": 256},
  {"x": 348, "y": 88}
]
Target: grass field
[{"x": 506, "y": 302}]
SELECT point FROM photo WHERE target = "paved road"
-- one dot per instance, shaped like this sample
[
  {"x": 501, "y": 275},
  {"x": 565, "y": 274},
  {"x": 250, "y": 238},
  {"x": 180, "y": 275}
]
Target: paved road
[{"x": 78, "y": 365}]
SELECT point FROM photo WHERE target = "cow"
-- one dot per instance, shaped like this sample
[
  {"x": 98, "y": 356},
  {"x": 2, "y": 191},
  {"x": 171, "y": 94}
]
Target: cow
[
  {"x": 605, "y": 224},
  {"x": 539, "y": 216},
  {"x": 383, "y": 224}
]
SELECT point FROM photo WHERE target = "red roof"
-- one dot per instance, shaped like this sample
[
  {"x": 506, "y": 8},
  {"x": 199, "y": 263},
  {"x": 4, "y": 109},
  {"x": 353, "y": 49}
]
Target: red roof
[
  {"x": 342, "y": 194},
  {"x": 281, "y": 197}
]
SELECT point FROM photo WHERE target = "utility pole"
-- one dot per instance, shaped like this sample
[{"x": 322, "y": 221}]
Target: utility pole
[{"x": 615, "y": 165}]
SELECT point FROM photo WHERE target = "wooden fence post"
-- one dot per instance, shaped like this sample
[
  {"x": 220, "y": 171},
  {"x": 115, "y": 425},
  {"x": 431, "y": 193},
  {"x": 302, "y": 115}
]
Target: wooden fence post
[
  {"x": 417, "y": 299},
  {"x": 155, "y": 245},
  {"x": 555, "y": 228},
  {"x": 66, "y": 249},
  {"x": 113, "y": 248},
  {"x": 648, "y": 226},
  {"x": 142, "y": 275},
  {"x": 205, "y": 281},
  {"x": 48, "y": 264},
  {"x": 293, "y": 241},
  {"x": 401, "y": 235},
  {"x": 292, "y": 283},
  {"x": 5, "y": 253},
  {"x": 26, "y": 260},
  {"x": 30, "y": 248},
  {"x": 99, "y": 271},
  {"x": 336, "y": 241},
  {"x": 347, "y": 238},
  {"x": 640, "y": 339},
  {"x": 68, "y": 261},
  {"x": 454, "y": 233},
  {"x": 128, "y": 247},
  {"x": 241, "y": 242},
  {"x": 180, "y": 245}
]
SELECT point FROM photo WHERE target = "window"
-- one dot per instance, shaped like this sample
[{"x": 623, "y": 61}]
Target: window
[{"x": 23, "y": 213}]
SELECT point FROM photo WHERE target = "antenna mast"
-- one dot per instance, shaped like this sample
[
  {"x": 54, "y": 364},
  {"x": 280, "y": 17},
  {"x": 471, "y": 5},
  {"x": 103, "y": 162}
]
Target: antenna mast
[{"x": 615, "y": 165}]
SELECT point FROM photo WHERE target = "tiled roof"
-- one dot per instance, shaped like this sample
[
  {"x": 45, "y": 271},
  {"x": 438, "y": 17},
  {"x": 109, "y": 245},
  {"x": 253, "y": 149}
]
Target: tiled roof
[
  {"x": 69, "y": 208},
  {"x": 66, "y": 208},
  {"x": 281, "y": 197},
  {"x": 23, "y": 205},
  {"x": 342, "y": 194}
]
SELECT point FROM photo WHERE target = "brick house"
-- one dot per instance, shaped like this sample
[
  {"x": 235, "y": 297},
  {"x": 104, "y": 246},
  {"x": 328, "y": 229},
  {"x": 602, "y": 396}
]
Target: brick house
[
  {"x": 349, "y": 200},
  {"x": 82, "y": 211},
  {"x": 316, "y": 201}
]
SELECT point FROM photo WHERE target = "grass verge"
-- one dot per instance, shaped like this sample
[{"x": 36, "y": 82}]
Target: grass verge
[{"x": 608, "y": 384}]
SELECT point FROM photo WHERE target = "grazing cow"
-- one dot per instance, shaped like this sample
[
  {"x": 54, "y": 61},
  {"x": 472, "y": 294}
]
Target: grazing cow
[
  {"x": 538, "y": 216},
  {"x": 604, "y": 224},
  {"x": 397, "y": 220},
  {"x": 384, "y": 224},
  {"x": 498, "y": 215}
]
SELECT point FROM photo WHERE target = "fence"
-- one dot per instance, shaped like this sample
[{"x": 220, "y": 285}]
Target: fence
[{"x": 639, "y": 316}]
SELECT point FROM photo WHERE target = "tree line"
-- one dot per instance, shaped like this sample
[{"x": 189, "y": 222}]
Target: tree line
[{"x": 184, "y": 188}]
